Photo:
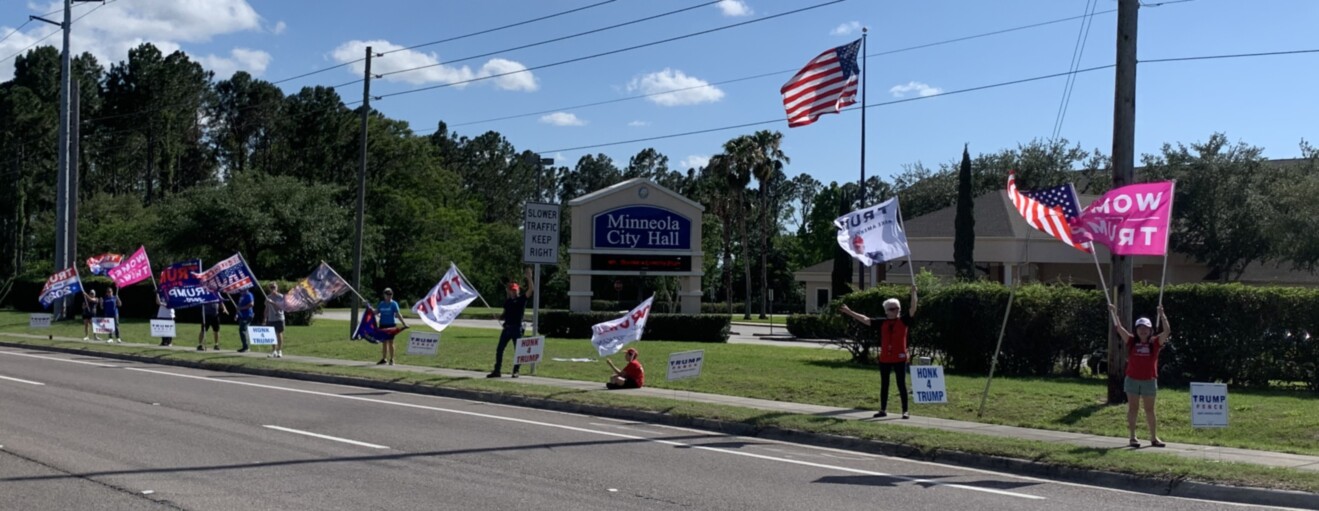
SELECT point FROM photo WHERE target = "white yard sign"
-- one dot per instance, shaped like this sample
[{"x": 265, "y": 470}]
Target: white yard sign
[
  {"x": 1208, "y": 405},
  {"x": 530, "y": 350},
  {"x": 38, "y": 320},
  {"x": 685, "y": 364},
  {"x": 162, "y": 328},
  {"x": 927, "y": 384},
  {"x": 540, "y": 234},
  {"x": 262, "y": 335},
  {"x": 103, "y": 325},
  {"x": 423, "y": 343}
]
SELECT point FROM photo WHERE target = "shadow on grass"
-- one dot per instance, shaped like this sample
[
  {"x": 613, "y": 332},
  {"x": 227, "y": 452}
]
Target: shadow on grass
[
  {"x": 840, "y": 364},
  {"x": 1082, "y": 413}
]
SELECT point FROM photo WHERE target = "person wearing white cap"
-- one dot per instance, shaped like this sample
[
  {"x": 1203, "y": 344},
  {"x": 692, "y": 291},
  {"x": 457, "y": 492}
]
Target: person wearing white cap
[{"x": 1142, "y": 381}]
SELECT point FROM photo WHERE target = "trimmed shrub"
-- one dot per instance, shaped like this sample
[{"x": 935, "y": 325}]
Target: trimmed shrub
[{"x": 667, "y": 327}]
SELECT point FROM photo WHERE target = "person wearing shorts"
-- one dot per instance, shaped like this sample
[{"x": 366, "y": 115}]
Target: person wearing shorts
[
  {"x": 1142, "y": 382},
  {"x": 211, "y": 319},
  {"x": 164, "y": 312},
  {"x": 388, "y": 317},
  {"x": 89, "y": 309}
]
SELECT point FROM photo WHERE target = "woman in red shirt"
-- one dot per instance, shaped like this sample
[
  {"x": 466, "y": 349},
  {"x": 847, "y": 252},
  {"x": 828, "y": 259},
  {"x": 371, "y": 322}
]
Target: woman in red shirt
[
  {"x": 893, "y": 358},
  {"x": 1142, "y": 381},
  {"x": 631, "y": 376}
]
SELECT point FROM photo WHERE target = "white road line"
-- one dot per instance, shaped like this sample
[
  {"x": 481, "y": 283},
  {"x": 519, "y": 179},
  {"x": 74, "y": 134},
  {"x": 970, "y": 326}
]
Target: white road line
[
  {"x": 326, "y": 437},
  {"x": 598, "y": 432},
  {"x": 29, "y": 382},
  {"x": 57, "y": 359}
]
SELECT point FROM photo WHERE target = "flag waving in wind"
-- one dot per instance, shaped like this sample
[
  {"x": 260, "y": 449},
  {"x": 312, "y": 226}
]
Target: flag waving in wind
[
  {"x": 228, "y": 276},
  {"x": 1050, "y": 210},
  {"x": 611, "y": 336},
  {"x": 446, "y": 300},
  {"x": 367, "y": 329},
  {"x": 1131, "y": 220},
  {"x": 136, "y": 268},
  {"x": 324, "y": 284},
  {"x": 873, "y": 235},
  {"x": 101, "y": 263},
  {"x": 60, "y": 285},
  {"x": 826, "y": 85}
]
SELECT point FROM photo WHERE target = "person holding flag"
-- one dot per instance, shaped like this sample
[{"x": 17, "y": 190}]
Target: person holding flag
[
  {"x": 631, "y": 376},
  {"x": 89, "y": 310},
  {"x": 387, "y": 312},
  {"x": 274, "y": 317},
  {"x": 1142, "y": 382},
  {"x": 244, "y": 316},
  {"x": 163, "y": 311},
  {"x": 110, "y": 309},
  {"x": 515, "y": 307},
  {"x": 893, "y": 358},
  {"x": 211, "y": 319}
]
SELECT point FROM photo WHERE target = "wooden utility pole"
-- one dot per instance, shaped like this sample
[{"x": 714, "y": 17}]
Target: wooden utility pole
[
  {"x": 361, "y": 195},
  {"x": 1124, "y": 161}
]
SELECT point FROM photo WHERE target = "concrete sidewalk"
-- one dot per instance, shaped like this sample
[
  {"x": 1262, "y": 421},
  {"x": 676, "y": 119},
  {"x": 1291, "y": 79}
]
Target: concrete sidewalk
[{"x": 1223, "y": 454}]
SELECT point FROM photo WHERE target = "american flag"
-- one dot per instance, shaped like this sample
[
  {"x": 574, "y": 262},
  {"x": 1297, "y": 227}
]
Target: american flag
[
  {"x": 826, "y": 85},
  {"x": 1049, "y": 210}
]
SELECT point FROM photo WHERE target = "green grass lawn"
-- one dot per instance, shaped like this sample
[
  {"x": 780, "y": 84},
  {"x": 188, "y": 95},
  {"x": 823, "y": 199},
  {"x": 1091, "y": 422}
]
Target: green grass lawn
[{"x": 1285, "y": 421}]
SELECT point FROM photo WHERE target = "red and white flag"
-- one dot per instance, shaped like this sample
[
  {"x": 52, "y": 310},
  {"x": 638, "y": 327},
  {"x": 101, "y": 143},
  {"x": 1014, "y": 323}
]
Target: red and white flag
[
  {"x": 826, "y": 85},
  {"x": 1051, "y": 210},
  {"x": 446, "y": 300}
]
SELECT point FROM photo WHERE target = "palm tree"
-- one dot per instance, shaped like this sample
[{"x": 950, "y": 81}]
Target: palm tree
[
  {"x": 767, "y": 167},
  {"x": 715, "y": 194},
  {"x": 740, "y": 154}
]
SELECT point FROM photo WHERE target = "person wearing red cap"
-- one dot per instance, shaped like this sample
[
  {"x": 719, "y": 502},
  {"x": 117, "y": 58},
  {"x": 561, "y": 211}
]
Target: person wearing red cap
[
  {"x": 515, "y": 306},
  {"x": 1142, "y": 383},
  {"x": 631, "y": 376}
]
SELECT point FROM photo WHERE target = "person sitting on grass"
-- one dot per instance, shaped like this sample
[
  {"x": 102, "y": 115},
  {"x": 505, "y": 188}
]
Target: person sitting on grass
[{"x": 631, "y": 376}]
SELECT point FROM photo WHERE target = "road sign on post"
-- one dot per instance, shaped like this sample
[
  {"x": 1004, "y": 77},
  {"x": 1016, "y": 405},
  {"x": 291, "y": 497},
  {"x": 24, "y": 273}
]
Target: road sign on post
[{"x": 540, "y": 234}]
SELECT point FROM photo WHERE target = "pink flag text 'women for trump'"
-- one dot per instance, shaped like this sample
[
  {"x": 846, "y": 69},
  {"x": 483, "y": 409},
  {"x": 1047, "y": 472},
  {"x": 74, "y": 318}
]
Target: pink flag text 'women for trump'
[{"x": 1131, "y": 220}]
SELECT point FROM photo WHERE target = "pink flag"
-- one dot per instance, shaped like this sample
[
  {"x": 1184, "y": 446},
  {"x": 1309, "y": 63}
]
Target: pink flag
[
  {"x": 136, "y": 268},
  {"x": 1131, "y": 220}
]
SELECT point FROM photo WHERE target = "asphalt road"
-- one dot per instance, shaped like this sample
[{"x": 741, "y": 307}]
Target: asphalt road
[{"x": 80, "y": 432}]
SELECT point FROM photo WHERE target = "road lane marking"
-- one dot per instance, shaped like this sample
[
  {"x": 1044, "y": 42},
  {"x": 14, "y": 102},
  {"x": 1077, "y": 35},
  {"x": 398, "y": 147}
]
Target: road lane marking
[
  {"x": 325, "y": 437},
  {"x": 599, "y": 432},
  {"x": 57, "y": 359},
  {"x": 29, "y": 382}
]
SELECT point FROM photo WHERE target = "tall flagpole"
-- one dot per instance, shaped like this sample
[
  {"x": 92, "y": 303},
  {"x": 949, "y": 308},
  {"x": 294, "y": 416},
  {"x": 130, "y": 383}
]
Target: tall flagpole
[{"x": 861, "y": 199}]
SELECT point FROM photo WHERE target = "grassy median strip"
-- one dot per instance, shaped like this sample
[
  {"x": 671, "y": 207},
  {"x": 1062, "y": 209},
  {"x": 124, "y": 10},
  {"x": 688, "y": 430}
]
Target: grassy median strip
[{"x": 1280, "y": 421}]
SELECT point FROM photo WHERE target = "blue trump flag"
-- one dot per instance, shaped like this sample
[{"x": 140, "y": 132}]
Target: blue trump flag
[
  {"x": 180, "y": 288},
  {"x": 367, "y": 329},
  {"x": 228, "y": 276}
]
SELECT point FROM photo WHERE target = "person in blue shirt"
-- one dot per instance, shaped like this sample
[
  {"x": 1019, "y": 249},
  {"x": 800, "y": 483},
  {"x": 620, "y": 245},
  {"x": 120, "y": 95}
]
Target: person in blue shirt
[
  {"x": 388, "y": 316},
  {"x": 110, "y": 309},
  {"x": 515, "y": 307},
  {"x": 244, "y": 317}
]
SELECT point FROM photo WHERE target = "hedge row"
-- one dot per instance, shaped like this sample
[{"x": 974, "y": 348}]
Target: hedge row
[
  {"x": 668, "y": 327},
  {"x": 138, "y": 301},
  {"x": 1247, "y": 336}
]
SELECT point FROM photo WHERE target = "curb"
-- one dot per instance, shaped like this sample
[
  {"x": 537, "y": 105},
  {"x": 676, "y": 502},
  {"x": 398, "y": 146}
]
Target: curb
[{"x": 1166, "y": 487}]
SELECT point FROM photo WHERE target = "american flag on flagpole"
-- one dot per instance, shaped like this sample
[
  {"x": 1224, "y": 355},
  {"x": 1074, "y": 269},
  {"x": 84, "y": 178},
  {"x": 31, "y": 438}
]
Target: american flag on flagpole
[
  {"x": 826, "y": 85},
  {"x": 1050, "y": 210}
]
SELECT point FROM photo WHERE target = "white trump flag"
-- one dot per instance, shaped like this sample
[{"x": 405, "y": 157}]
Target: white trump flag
[
  {"x": 445, "y": 301},
  {"x": 611, "y": 336},
  {"x": 873, "y": 235}
]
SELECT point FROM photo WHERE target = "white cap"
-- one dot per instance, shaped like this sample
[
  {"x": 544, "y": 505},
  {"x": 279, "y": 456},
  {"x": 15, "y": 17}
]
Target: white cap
[{"x": 1144, "y": 322}]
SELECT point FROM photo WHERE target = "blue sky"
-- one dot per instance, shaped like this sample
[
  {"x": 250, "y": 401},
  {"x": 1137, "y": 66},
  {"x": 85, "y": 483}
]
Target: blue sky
[{"x": 1268, "y": 101}]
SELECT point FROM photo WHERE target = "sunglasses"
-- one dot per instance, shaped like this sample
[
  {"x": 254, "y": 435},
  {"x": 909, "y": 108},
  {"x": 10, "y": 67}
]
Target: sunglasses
[{"x": 893, "y": 309}]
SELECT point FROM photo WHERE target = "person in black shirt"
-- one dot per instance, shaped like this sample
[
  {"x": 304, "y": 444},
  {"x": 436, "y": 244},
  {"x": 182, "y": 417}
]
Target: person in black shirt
[{"x": 515, "y": 306}]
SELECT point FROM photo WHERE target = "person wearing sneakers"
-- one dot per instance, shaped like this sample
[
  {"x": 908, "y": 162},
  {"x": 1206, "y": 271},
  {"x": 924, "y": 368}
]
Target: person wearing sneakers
[
  {"x": 211, "y": 319},
  {"x": 110, "y": 309},
  {"x": 89, "y": 305},
  {"x": 893, "y": 358},
  {"x": 388, "y": 317},
  {"x": 244, "y": 317},
  {"x": 164, "y": 312},
  {"x": 274, "y": 317},
  {"x": 515, "y": 306},
  {"x": 1142, "y": 383}
]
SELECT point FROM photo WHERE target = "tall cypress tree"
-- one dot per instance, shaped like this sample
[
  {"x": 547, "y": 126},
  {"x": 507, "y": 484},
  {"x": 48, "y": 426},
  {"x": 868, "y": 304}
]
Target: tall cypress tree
[{"x": 964, "y": 238}]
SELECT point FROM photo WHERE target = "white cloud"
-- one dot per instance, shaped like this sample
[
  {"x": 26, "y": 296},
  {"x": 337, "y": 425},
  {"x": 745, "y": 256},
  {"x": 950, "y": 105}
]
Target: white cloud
[
  {"x": 734, "y": 8},
  {"x": 562, "y": 119},
  {"x": 688, "y": 90},
  {"x": 848, "y": 28},
  {"x": 239, "y": 59},
  {"x": 435, "y": 72},
  {"x": 639, "y": 124},
  {"x": 919, "y": 88},
  {"x": 279, "y": 28},
  {"x": 117, "y": 27},
  {"x": 694, "y": 161}
]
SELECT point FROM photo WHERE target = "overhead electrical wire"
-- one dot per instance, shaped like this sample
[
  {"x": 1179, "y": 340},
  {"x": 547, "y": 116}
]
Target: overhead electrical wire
[
  {"x": 1078, "y": 51},
  {"x": 56, "y": 31},
  {"x": 454, "y": 38}
]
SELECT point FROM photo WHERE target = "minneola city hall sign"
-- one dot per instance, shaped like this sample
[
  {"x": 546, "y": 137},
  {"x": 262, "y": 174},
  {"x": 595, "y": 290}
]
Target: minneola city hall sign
[{"x": 635, "y": 228}]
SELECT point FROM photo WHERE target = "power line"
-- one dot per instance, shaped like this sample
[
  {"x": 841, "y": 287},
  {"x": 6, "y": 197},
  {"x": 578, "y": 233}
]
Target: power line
[
  {"x": 1230, "y": 56},
  {"x": 613, "y": 52},
  {"x": 25, "y": 23},
  {"x": 554, "y": 40},
  {"x": 786, "y": 71},
  {"x": 52, "y": 33},
  {"x": 1078, "y": 51},
  {"x": 455, "y": 38}
]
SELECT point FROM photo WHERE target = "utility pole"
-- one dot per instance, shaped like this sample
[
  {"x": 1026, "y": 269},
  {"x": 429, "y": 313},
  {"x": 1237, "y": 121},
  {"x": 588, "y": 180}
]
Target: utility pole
[
  {"x": 361, "y": 194},
  {"x": 861, "y": 197},
  {"x": 1124, "y": 160},
  {"x": 65, "y": 194}
]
